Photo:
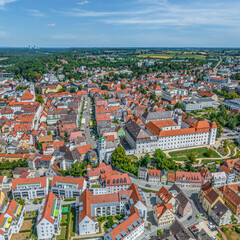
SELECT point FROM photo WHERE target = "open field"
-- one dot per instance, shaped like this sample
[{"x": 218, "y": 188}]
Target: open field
[
  {"x": 232, "y": 234},
  {"x": 172, "y": 55},
  {"x": 183, "y": 155},
  {"x": 63, "y": 233},
  {"x": 4, "y": 58},
  {"x": 27, "y": 224},
  {"x": 20, "y": 236}
]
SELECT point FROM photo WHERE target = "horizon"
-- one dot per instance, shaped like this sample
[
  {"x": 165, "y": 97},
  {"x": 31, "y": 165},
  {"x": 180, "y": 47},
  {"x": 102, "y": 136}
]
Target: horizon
[{"x": 120, "y": 24}]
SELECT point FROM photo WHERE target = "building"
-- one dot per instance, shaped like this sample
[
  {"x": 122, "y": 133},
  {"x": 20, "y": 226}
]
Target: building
[
  {"x": 188, "y": 179},
  {"x": 164, "y": 174},
  {"x": 49, "y": 217},
  {"x": 143, "y": 173},
  {"x": 154, "y": 175},
  {"x": 232, "y": 104},
  {"x": 203, "y": 235},
  {"x": 196, "y": 104},
  {"x": 130, "y": 228},
  {"x": 231, "y": 199},
  {"x": 117, "y": 182},
  {"x": 220, "y": 214},
  {"x": 90, "y": 206},
  {"x": 219, "y": 178},
  {"x": 30, "y": 188},
  {"x": 68, "y": 187},
  {"x": 229, "y": 174},
  {"x": 163, "y": 214},
  {"x": 95, "y": 173},
  {"x": 206, "y": 176},
  {"x": 178, "y": 132},
  {"x": 11, "y": 220}
]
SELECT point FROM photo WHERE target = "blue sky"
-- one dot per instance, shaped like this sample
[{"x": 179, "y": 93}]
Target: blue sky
[{"x": 120, "y": 23}]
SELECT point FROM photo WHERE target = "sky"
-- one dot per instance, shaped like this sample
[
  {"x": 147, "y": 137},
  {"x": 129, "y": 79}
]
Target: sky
[{"x": 120, "y": 23}]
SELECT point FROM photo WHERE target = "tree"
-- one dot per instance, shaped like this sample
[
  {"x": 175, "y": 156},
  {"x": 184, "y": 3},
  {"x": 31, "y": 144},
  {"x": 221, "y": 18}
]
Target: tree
[
  {"x": 104, "y": 87},
  {"x": 73, "y": 90},
  {"x": 192, "y": 157},
  {"x": 159, "y": 232},
  {"x": 179, "y": 105},
  {"x": 40, "y": 99},
  {"x": 35, "y": 201},
  {"x": 49, "y": 133},
  {"x": 144, "y": 161},
  {"x": 209, "y": 153},
  {"x": 80, "y": 87},
  {"x": 123, "y": 86}
]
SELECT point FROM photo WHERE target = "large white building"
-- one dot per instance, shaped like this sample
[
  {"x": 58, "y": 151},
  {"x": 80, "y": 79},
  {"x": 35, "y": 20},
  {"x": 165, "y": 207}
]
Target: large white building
[
  {"x": 68, "y": 187},
  {"x": 11, "y": 220},
  {"x": 49, "y": 217},
  {"x": 179, "y": 132},
  {"x": 90, "y": 206},
  {"x": 30, "y": 188}
]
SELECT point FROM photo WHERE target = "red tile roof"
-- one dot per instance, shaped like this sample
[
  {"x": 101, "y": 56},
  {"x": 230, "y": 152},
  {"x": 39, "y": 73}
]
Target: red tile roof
[
  {"x": 42, "y": 180},
  {"x": 78, "y": 181}
]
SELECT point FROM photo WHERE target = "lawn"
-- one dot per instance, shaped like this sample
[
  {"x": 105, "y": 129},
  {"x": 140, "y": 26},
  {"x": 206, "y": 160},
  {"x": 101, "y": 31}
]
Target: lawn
[
  {"x": 72, "y": 222},
  {"x": 27, "y": 224},
  {"x": 30, "y": 215},
  {"x": 62, "y": 235},
  {"x": 183, "y": 155},
  {"x": 232, "y": 234},
  {"x": 20, "y": 236}
]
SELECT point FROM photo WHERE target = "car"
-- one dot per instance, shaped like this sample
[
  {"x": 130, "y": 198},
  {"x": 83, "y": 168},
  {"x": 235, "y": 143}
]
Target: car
[
  {"x": 197, "y": 233},
  {"x": 196, "y": 230},
  {"x": 193, "y": 227},
  {"x": 189, "y": 218},
  {"x": 148, "y": 185}
]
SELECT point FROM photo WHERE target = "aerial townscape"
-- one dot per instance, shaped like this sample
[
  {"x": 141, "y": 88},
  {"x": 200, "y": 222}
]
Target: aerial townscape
[
  {"x": 119, "y": 120},
  {"x": 120, "y": 144}
]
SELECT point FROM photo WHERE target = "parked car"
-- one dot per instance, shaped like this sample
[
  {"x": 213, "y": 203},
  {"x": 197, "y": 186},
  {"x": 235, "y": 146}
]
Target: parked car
[
  {"x": 189, "y": 218},
  {"x": 196, "y": 230},
  {"x": 193, "y": 227}
]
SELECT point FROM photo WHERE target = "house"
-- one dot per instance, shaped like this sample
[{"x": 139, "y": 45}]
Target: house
[
  {"x": 230, "y": 174},
  {"x": 231, "y": 199},
  {"x": 188, "y": 179},
  {"x": 17, "y": 172},
  {"x": 180, "y": 232},
  {"x": 171, "y": 178},
  {"x": 164, "y": 174},
  {"x": 37, "y": 161},
  {"x": 206, "y": 176},
  {"x": 219, "y": 178},
  {"x": 49, "y": 217},
  {"x": 143, "y": 173},
  {"x": 95, "y": 173},
  {"x": 203, "y": 235},
  {"x": 154, "y": 175},
  {"x": 117, "y": 182},
  {"x": 220, "y": 214},
  {"x": 68, "y": 187},
  {"x": 11, "y": 220},
  {"x": 163, "y": 214},
  {"x": 29, "y": 188}
]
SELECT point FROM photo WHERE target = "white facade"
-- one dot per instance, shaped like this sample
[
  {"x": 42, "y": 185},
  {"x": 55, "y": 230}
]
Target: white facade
[
  {"x": 219, "y": 179},
  {"x": 87, "y": 226}
]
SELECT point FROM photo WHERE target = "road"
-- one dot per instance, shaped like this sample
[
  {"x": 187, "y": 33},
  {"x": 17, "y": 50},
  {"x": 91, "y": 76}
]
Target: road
[
  {"x": 87, "y": 116},
  {"x": 215, "y": 70}
]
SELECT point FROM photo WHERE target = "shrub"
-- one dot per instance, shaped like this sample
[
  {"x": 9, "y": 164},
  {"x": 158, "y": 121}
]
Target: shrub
[{"x": 224, "y": 229}]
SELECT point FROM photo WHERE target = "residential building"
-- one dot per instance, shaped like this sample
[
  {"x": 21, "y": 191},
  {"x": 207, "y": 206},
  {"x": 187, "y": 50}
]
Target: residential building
[
  {"x": 188, "y": 179},
  {"x": 164, "y": 174},
  {"x": 11, "y": 220},
  {"x": 142, "y": 173},
  {"x": 230, "y": 174},
  {"x": 49, "y": 217},
  {"x": 203, "y": 235},
  {"x": 68, "y": 187},
  {"x": 30, "y": 188},
  {"x": 154, "y": 175},
  {"x": 219, "y": 178},
  {"x": 220, "y": 214},
  {"x": 95, "y": 173}
]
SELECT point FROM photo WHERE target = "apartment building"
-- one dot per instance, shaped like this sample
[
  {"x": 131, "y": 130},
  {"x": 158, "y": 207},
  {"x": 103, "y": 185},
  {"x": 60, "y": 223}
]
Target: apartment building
[
  {"x": 49, "y": 217},
  {"x": 188, "y": 179},
  {"x": 154, "y": 175},
  {"x": 90, "y": 206},
  {"x": 30, "y": 188},
  {"x": 117, "y": 182},
  {"x": 68, "y": 187},
  {"x": 143, "y": 173},
  {"x": 11, "y": 220},
  {"x": 128, "y": 229},
  {"x": 229, "y": 174},
  {"x": 219, "y": 178}
]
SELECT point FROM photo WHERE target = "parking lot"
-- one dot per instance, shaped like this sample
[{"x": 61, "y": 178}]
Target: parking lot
[{"x": 204, "y": 225}]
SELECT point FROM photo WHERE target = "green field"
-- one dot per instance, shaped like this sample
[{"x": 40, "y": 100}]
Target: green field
[
  {"x": 183, "y": 155},
  {"x": 173, "y": 55},
  {"x": 4, "y": 58}
]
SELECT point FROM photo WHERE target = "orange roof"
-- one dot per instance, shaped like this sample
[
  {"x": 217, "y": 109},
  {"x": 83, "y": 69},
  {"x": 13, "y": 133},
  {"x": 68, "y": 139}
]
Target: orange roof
[
  {"x": 116, "y": 180},
  {"x": 171, "y": 177},
  {"x": 162, "y": 208},
  {"x": 42, "y": 180},
  {"x": 27, "y": 96},
  {"x": 84, "y": 149},
  {"x": 78, "y": 181},
  {"x": 48, "y": 208}
]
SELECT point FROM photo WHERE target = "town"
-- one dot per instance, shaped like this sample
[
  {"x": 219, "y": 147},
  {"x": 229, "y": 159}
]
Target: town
[{"x": 120, "y": 144}]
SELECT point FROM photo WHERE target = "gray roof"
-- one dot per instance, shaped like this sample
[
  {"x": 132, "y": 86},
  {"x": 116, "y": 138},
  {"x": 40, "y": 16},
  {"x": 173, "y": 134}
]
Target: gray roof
[
  {"x": 136, "y": 131},
  {"x": 219, "y": 209},
  {"x": 179, "y": 231},
  {"x": 157, "y": 115},
  {"x": 203, "y": 235},
  {"x": 183, "y": 200}
]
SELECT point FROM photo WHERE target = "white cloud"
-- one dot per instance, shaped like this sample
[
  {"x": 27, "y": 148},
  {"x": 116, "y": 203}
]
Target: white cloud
[
  {"x": 4, "y": 2},
  {"x": 51, "y": 24},
  {"x": 35, "y": 13},
  {"x": 83, "y": 2}
]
